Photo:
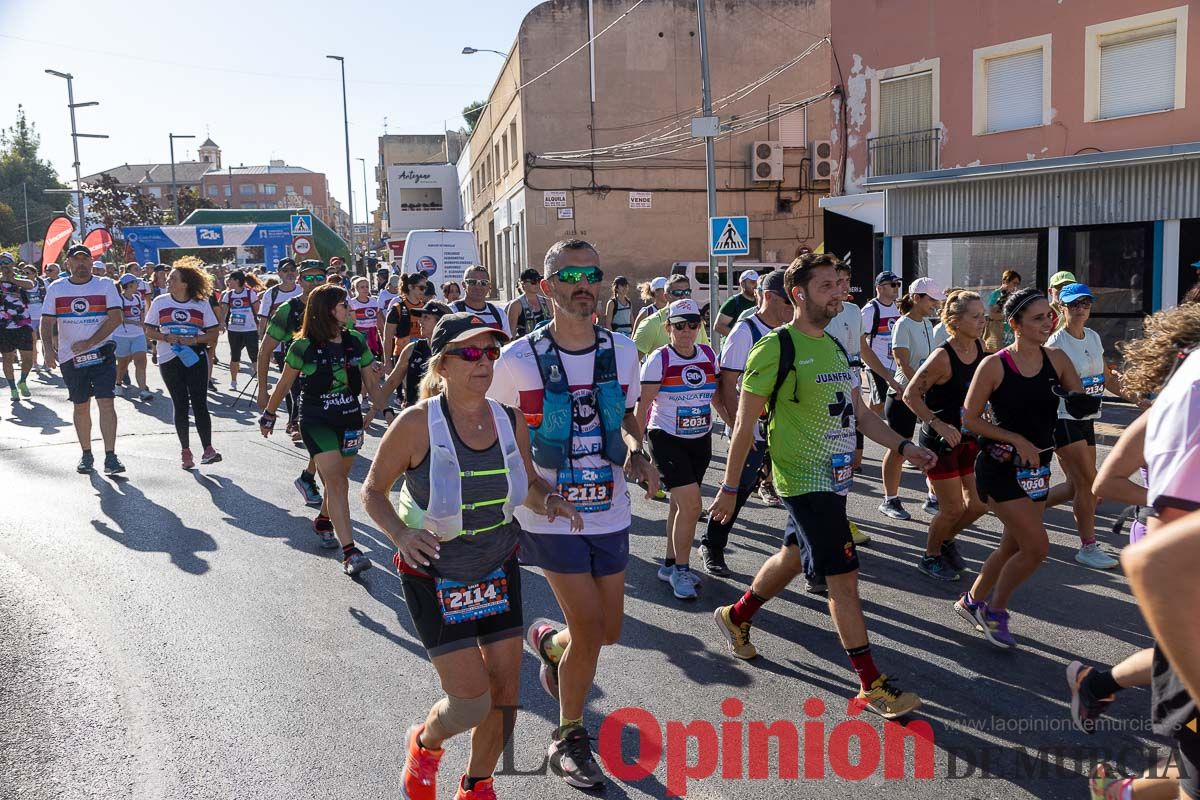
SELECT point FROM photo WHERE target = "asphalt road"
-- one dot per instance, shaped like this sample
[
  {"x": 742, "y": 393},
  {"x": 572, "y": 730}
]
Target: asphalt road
[{"x": 180, "y": 635}]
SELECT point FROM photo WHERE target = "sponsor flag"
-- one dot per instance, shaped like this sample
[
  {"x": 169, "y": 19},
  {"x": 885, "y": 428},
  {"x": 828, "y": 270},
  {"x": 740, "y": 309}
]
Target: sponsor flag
[
  {"x": 98, "y": 241},
  {"x": 57, "y": 234}
]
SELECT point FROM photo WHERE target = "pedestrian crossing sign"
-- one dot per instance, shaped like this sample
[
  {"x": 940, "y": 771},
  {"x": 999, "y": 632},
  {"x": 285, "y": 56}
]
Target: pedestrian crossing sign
[
  {"x": 729, "y": 236},
  {"x": 302, "y": 225}
]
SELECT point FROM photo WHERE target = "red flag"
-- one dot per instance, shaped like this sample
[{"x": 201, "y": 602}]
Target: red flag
[
  {"x": 98, "y": 241},
  {"x": 57, "y": 234}
]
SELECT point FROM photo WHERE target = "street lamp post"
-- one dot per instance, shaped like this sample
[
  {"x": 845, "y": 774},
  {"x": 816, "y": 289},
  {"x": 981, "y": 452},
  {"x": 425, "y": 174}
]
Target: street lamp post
[
  {"x": 174, "y": 191},
  {"x": 75, "y": 136},
  {"x": 366, "y": 202},
  {"x": 346, "y": 121},
  {"x": 467, "y": 51}
]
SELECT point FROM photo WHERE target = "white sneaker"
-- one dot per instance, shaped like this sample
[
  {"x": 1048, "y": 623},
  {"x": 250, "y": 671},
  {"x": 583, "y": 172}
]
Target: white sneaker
[
  {"x": 1090, "y": 555},
  {"x": 233, "y": 386},
  {"x": 683, "y": 584}
]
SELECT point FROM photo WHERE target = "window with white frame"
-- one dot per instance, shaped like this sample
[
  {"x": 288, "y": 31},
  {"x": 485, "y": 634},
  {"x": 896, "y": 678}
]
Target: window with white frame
[
  {"x": 1136, "y": 65},
  {"x": 1014, "y": 91}
]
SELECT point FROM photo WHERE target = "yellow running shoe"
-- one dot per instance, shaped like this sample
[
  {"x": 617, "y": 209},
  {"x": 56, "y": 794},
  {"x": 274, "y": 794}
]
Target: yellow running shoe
[
  {"x": 738, "y": 636},
  {"x": 887, "y": 701},
  {"x": 858, "y": 536}
]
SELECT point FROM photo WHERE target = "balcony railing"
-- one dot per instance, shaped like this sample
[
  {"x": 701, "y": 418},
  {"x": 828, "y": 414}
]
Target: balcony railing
[{"x": 900, "y": 153}]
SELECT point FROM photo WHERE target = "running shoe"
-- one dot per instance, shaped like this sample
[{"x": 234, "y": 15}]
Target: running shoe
[
  {"x": 355, "y": 563},
  {"x": 936, "y": 567},
  {"x": 714, "y": 563},
  {"x": 323, "y": 527},
  {"x": 738, "y": 636},
  {"x": 659, "y": 494},
  {"x": 1085, "y": 706},
  {"x": 113, "y": 465},
  {"x": 212, "y": 385},
  {"x": 307, "y": 486},
  {"x": 951, "y": 555},
  {"x": 186, "y": 460},
  {"x": 815, "y": 584},
  {"x": 12, "y": 393},
  {"x": 118, "y": 391},
  {"x": 535, "y": 637},
  {"x": 233, "y": 386},
  {"x": 767, "y": 493},
  {"x": 87, "y": 462},
  {"x": 683, "y": 583},
  {"x": 995, "y": 627},
  {"x": 571, "y": 758},
  {"x": 858, "y": 536},
  {"x": 419, "y": 781},
  {"x": 886, "y": 700},
  {"x": 966, "y": 609},
  {"x": 895, "y": 509},
  {"x": 483, "y": 790},
  {"x": 1090, "y": 555},
  {"x": 145, "y": 394},
  {"x": 1106, "y": 783},
  {"x": 23, "y": 388},
  {"x": 665, "y": 572},
  {"x": 125, "y": 380},
  {"x": 931, "y": 506},
  {"x": 210, "y": 456}
]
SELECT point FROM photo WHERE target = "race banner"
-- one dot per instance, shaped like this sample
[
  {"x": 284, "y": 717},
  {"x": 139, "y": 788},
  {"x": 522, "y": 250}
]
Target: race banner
[
  {"x": 57, "y": 235},
  {"x": 98, "y": 241}
]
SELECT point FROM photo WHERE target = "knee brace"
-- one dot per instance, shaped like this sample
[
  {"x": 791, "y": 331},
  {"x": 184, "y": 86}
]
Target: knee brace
[{"x": 455, "y": 715}]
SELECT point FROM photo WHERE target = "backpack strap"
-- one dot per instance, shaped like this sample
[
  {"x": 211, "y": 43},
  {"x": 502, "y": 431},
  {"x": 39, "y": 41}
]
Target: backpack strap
[
  {"x": 787, "y": 363},
  {"x": 875, "y": 324}
]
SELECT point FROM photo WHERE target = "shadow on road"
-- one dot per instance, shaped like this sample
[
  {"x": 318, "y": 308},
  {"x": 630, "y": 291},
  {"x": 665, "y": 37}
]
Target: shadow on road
[{"x": 145, "y": 526}]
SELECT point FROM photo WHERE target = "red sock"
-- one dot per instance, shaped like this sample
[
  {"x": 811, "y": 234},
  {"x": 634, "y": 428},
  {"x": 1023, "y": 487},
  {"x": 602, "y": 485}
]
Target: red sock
[
  {"x": 746, "y": 607},
  {"x": 864, "y": 665}
]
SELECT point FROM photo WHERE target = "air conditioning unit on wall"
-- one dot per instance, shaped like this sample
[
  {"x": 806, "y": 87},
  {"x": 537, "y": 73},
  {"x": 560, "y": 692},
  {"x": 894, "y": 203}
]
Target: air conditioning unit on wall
[
  {"x": 766, "y": 161},
  {"x": 820, "y": 154}
]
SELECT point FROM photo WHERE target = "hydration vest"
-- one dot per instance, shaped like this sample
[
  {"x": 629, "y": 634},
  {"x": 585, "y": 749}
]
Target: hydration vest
[
  {"x": 444, "y": 516},
  {"x": 551, "y": 437}
]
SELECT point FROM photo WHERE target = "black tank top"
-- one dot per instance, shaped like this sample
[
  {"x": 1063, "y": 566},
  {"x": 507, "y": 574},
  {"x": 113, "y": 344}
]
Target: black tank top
[
  {"x": 946, "y": 400},
  {"x": 417, "y": 361},
  {"x": 1027, "y": 406}
]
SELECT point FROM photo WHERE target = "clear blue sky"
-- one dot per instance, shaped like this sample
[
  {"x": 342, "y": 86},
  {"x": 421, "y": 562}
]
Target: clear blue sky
[{"x": 251, "y": 74}]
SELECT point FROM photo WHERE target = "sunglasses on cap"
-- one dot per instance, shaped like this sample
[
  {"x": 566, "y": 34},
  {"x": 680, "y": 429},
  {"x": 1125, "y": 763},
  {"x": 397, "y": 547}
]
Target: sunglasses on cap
[
  {"x": 691, "y": 326},
  {"x": 680, "y": 292},
  {"x": 477, "y": 282},
  {"x": 475, "y": 353},
  {"x": 579, "y": 274}
]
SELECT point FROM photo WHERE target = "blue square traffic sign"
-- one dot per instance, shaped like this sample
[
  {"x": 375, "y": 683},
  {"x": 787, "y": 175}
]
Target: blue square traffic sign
[{"x": 729, "y": 236}]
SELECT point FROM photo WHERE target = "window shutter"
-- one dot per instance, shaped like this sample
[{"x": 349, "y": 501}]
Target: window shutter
[
  {"x": 793, "y": 127},
  {"x": 906, "y": 104},
  {"x": 1014, "y": 91},
  {"x": 1137, "y": 72}
]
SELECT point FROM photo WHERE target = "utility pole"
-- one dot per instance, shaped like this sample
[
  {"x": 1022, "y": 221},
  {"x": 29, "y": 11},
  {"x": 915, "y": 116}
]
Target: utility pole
[
  {"x": 25, "y": 195},
  {"x": 366, "y": 202},
  {"x": 709, "y": 165},
  {"x": 75, "y": 137},
  {"x": 349, "y": 184}
]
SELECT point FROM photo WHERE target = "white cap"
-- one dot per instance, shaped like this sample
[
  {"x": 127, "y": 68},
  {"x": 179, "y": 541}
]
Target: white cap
[
  {"x": 683, "y": 310},
  {"x": 658, "y": 283},
  {"x": 99, "y": 263},
  {"x": 926, "y": 286},
  {"x": 749, "y": 275}
]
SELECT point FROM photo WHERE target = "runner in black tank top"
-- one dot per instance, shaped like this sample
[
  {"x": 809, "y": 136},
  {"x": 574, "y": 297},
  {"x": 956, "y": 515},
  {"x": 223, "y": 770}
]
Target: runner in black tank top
[
  {"x": 1012, "y": 470},
  {"x": 937, "y": 394},
  {"x": 411, "y": 364}
]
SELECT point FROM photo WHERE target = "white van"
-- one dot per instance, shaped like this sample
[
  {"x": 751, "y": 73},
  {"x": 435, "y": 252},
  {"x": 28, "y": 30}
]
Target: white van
[
  {"x": 440, "y": 255},
  {"x": 697, "y": 273}
]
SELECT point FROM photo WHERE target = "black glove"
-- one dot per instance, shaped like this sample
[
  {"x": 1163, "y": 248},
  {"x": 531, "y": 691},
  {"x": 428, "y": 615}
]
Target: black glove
[{"x": 267, "y": 420}]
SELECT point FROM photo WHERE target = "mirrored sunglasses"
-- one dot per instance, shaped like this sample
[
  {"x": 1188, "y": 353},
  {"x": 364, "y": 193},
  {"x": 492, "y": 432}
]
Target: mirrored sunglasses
[{"x": 475, "y": 353}]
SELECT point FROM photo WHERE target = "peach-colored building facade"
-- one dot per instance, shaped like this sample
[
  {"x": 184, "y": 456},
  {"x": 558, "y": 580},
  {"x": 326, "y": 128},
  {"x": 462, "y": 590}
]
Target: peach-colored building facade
[{"x": 1035, "y": 135}]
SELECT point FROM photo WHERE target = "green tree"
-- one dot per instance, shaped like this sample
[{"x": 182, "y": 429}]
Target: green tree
[
  {"x": 190, "y": 200},
  {"x": 24, "y": 175},
  {"x": 471, "y": 114}
]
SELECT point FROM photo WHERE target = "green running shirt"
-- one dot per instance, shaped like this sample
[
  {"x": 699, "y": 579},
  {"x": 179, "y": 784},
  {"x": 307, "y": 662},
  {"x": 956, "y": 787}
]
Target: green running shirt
[{"x": 813, "y": 424}]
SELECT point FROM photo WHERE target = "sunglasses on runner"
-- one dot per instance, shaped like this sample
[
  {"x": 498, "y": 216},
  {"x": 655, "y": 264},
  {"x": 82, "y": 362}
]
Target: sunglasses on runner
[
  {"x": 477, "y": 282},
  {"x": 1080, "y": 304},
  {"x": 895, "y": 284},
  {"x": 691, "y": 326},
  {"x": 578, "y": 274},
  {"x": 680, "y": 292},
  {"x": 313, "y": 278},
  {"x": 475, "y": 353}
]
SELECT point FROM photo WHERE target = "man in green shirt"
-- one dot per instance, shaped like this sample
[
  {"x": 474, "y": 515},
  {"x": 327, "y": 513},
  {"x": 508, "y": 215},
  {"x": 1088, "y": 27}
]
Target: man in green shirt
[
  {"x": 651, "y": 332},
  {"x": 733, "y": 308},
  {"x": 815, "y": 407}
]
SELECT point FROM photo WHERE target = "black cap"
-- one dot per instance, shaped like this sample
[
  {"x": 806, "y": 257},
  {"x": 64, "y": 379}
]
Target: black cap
[
  {"x": 78, "y": 250},
  {"x": 773, "y": 282},
  {"x": 457, "y": 327},
  {"x": 161, "y": 268},
  {"x": 435, "y": 308},
  {"x": 309, "y": 264},
  {"x": 286, "y": 262},
  {"x": 236, "y": 275}
]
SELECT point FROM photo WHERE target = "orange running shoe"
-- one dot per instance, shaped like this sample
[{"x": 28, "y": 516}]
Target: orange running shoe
[
  {"x": 483, "y": 790},
  {"x": 419, "y": 781}
]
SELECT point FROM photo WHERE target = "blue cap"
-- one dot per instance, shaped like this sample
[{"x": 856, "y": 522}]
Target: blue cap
[
  {"x": 887, "y": 276},
  {"x": 1072, "y": 292}
]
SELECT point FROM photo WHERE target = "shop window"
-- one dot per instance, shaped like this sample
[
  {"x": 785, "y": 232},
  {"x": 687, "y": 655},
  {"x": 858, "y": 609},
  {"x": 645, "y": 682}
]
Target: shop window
[
  {"x": 1117, "y": 264},
  {"x": 974, "y": 262}
]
